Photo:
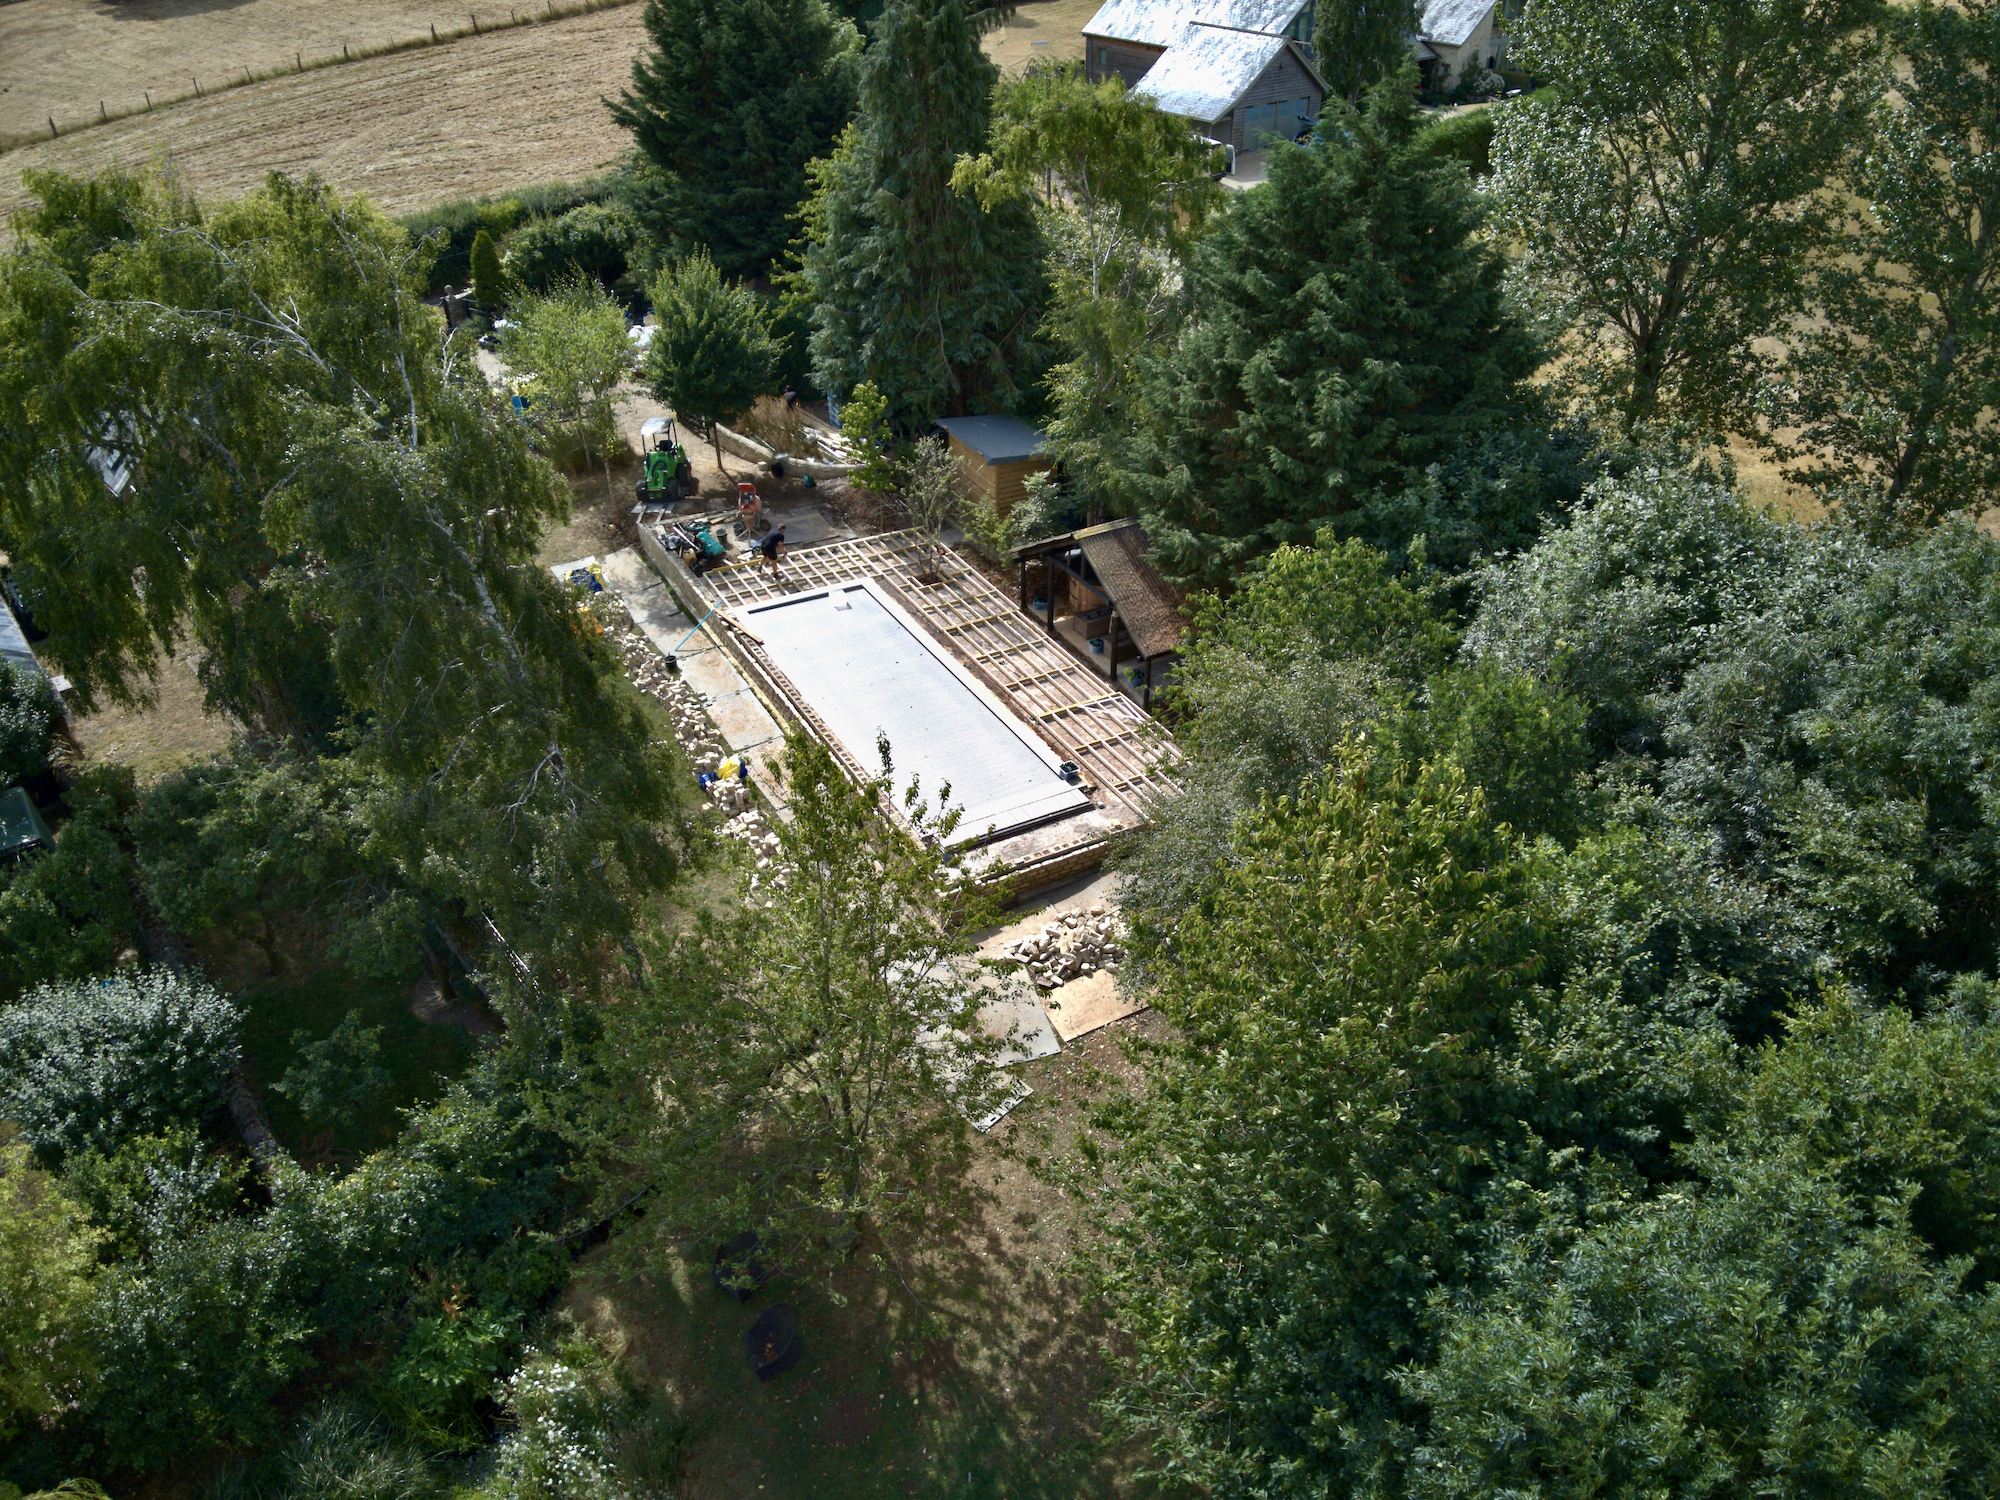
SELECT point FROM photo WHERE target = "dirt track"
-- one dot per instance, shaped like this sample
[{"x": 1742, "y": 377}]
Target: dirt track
[{"x": 410, "y": 129}]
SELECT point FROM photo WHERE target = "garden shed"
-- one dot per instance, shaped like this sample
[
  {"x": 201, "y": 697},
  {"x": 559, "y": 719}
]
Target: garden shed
[
  {"x": 1096, "y": 590},
  {"x": 997, "y": 454}
]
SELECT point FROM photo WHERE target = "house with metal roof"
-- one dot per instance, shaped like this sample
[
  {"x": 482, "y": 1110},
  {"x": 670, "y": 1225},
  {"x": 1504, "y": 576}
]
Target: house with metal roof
[
  {"x": 1239, "y": 71},
  {"x": 1455, "y": 37}
]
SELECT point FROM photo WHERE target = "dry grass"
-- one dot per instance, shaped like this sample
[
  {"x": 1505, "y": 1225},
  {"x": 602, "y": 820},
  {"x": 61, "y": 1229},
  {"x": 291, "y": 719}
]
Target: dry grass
[
  {"x": 992, "y": 1398},
  {"x": 71, "y": 62},
  {"x": 411, "y": 129},
  {"x": 1048, "y": 28},
  {"x": 175, "y": 730}
]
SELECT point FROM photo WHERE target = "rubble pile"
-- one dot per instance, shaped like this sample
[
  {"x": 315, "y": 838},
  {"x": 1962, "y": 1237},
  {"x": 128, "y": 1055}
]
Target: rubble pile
[
  {"x": 697, "y": 737},
  {"x": 1076, "y": 944}
]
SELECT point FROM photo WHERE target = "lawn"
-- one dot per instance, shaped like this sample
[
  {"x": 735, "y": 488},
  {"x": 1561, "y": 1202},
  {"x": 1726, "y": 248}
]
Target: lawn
[{"x": 990, "y": 1397}]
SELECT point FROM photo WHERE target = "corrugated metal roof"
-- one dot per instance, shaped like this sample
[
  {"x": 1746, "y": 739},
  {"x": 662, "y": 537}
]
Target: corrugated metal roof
[
  {"x": 1203, "y": 74},
  {"x": 865, "y": 671},
  {"x": 1159, "y": 23},
  {"x": 13, "y": 639},
  {"x": 998, "y": 440},
  {"x": 1452, "y": 21},
  {"x": 1145, "y": 601}
]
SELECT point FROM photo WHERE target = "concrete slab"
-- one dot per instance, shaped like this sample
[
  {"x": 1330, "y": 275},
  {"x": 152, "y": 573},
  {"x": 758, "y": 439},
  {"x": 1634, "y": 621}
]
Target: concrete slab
[
  {"x": 742, "y": 721},
  {"x": 649, "y": 601},
  {"x": 1083, "y": 1005},
  {"x": 709, "y": 672},
  {"x": 809, "y": 526},
  {"x": 1023, "y": 1029}
]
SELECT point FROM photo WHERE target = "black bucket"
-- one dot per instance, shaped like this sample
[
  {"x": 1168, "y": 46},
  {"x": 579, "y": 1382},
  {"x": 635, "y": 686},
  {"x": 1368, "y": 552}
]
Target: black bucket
[{"x": 773, "y": 1340}]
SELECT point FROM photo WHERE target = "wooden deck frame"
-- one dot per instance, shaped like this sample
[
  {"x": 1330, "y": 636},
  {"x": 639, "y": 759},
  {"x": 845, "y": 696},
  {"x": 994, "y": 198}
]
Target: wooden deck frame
[{"x": 1119, "y": 749}]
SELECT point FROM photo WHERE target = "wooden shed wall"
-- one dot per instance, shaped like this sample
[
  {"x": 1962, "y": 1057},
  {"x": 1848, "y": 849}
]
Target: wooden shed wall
[
  {"x": 1003, "y": 484},
  {"x": 1130, "y": 61}
]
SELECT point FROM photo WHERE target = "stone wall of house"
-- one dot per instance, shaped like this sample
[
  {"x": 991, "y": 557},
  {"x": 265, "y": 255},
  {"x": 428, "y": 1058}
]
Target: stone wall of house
[{"x": 1104, "y": 58}]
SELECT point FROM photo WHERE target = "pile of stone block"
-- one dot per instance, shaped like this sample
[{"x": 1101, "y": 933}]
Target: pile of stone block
[{"x": 1072, "y": 946}]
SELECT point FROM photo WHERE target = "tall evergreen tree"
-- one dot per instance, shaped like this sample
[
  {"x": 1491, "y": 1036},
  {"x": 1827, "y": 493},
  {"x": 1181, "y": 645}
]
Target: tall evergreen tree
[
  {"x": 916, "y": 286},
  {"x": 726, "y": 110},
  {"x": 1358, "y": 43},
  {"x": 1348, "y": 333}
]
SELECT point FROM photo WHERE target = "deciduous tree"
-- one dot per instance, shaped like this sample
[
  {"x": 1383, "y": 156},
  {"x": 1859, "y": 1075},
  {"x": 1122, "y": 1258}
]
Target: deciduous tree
[
  {"x": 573, "y": 343},
  {"x": 328, "y": 497},
  {"x": 799, "y": 1069},
  {"x": 1895, "y": 391},
  {"x": 712, "y": 355},
  {"x": 1122, "y": 193},
  {"x": 1666, "y": 197},
  {"x": 47, "y": 1256}
]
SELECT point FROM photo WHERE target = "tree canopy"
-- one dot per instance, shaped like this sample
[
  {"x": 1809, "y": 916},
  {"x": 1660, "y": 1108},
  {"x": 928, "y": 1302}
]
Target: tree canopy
[
  {"x": 1348, "y": 332},
  {"x": 913, "y": 285},
  {"x": 330, "y": 500},
  {"x": 733, "y": 100},
  {"x": 1665, "y": 193}
]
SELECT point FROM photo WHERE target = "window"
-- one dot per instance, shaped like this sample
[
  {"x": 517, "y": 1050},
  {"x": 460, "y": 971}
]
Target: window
[
  {"x": 1263, "y": 123},
  {"x": 1103, "y": 58}
]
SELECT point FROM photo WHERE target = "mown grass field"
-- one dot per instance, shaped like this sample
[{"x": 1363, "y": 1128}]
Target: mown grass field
[{"x": 410, "y": 129}]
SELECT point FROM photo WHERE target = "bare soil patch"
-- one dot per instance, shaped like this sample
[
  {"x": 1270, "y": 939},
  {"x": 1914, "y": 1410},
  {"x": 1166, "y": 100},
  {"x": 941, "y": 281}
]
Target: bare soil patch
[{"x": 411, "y": 129}]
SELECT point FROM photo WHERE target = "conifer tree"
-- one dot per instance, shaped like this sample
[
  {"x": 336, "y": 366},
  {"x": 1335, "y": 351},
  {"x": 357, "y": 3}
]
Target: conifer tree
[
  {"x": 916, "y": 286},
  {"x": 1348, "y": 333},
  {"x": 1358, "y": 43},
  {"x": 489, "y": 281},
  {"x": 726, "y": 110}
]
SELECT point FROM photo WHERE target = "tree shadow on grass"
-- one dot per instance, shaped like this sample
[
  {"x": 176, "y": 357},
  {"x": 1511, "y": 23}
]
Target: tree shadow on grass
[{"x": 983, "y": 1391}]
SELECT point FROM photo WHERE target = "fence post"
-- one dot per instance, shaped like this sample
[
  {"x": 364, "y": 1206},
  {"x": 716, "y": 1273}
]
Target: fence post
[
  {"x": 100, "y": 111},
  {"x": 149, "y": 100},
  {"x": 52, "y": 127},
  {"x": 475, "y": 23},
  {"x": 343, "y": 53}
]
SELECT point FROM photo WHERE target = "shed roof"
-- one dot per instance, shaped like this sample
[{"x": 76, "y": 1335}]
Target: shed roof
[
  {"x": 1116, "y": 552},
  {"x": 1159, "y": 23},
  {"x": 1452, "y": 21},
  {"x": 997, "y": 440}
]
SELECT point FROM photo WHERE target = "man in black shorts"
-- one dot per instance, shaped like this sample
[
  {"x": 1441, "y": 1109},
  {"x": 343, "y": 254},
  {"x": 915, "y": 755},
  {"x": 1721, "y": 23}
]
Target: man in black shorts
[{"x": 773, "y": 547}]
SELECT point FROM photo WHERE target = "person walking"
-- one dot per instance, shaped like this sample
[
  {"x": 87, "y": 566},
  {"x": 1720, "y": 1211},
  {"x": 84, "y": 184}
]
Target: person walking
[{"x": 773, "y": 547}]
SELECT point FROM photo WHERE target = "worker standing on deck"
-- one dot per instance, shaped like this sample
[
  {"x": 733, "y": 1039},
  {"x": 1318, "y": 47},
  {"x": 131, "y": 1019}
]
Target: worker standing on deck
[{"x": 773, "y": 547}]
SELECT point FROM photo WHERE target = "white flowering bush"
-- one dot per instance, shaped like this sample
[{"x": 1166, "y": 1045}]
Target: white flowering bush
[{"x": 581, "y": 1433}]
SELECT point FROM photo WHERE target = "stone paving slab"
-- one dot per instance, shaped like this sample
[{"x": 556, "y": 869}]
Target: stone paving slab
[
  {"x": 708, "y": 671},
  {"x": 1083, "y": 1005},
  {"x": 650, "y": 602},
  {"x": 742, "y": 721}
]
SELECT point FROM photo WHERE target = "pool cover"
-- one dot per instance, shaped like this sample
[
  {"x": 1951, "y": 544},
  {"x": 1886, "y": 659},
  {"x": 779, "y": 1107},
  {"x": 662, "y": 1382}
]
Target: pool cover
[{"x": 865, "y": 670}]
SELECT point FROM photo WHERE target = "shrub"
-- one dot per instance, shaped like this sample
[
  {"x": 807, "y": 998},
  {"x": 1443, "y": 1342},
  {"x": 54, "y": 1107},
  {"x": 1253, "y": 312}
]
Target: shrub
[
  {"x": 27, "y": 709},
  {"x": 594, "y": 240},
  {"x": 86, "y": 1064},
  {"x": 338, "y": 1452},
  {"x": 154, "y": 1191},
  {"x": 581, "y": 1433},
  {"x": 456, "y": 223},
  {"x": 1466, "y": 137}
]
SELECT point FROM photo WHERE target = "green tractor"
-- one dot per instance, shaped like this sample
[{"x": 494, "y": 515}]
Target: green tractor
[{"x": 665, "y": 475}]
